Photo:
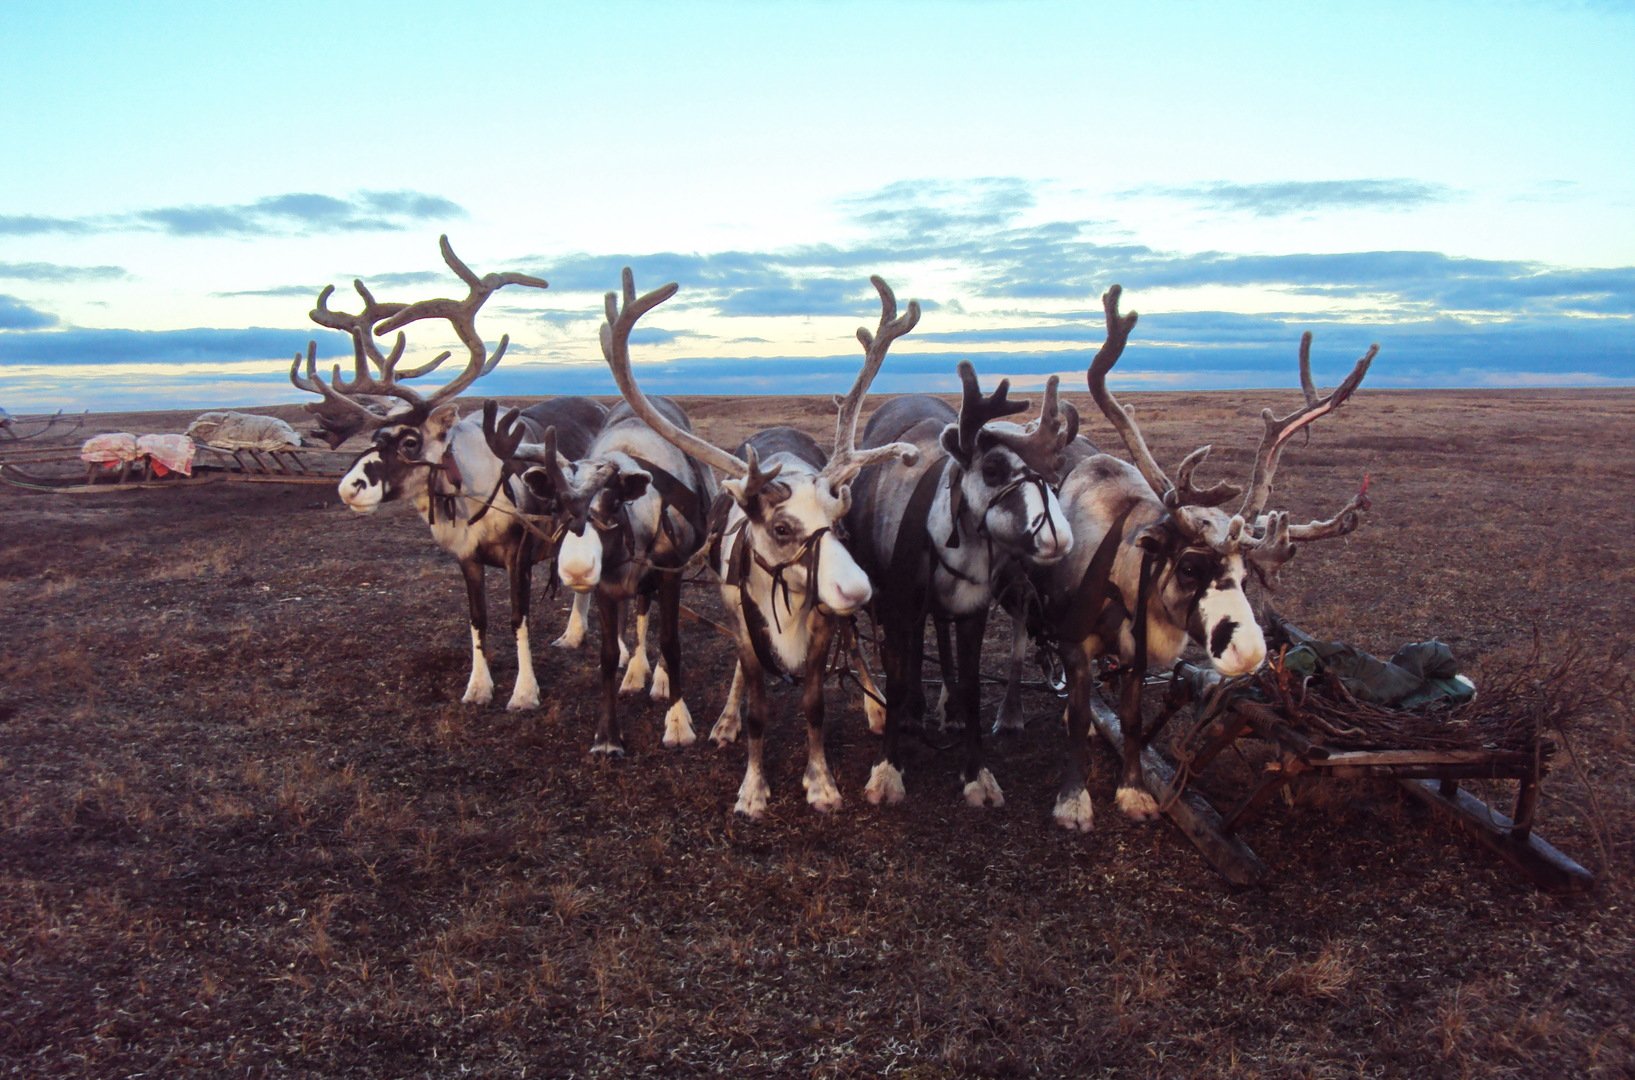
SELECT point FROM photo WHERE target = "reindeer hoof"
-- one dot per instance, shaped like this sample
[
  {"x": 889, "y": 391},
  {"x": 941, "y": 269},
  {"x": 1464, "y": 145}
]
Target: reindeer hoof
[
  {"x": 661, "y": 684},
  {"x": 635, "y": 676},
  {"x": 1137, "y": 804},
  {"x": 984, "y": 791},
  {"x": 678, "y": 726},
  {"x": 885, "y": 785},
  {"x": 752, "y": 796},
  {"x": 478, "y": 694},
  {"x": 520, "y": 701},
  {"x": 569, "y": 640},
  {"x": 821, "y": 793},
  {"x": 725, "y": 731},
  {"x": 1074, "y": 812},
  {"x": 608, "y": 747}
]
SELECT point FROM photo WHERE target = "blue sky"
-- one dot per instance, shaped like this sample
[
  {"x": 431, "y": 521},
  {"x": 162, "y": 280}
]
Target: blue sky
[{"x": 1455, "y": 181}]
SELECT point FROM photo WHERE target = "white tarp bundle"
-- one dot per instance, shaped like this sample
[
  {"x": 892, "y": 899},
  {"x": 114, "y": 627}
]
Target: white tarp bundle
[
  {"x": 113, "y": 448},
  {"x": 169, "y": 453},
  {"x": 243, "y": 431}
]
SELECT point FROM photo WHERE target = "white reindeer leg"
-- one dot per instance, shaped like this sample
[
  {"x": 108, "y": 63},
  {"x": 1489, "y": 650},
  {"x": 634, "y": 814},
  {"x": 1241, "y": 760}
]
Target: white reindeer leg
[
  {"x": 526, "y": 693},
  {"x": 635, "y": 676},
  {"x": 480, "y": 687},
  {"x": 731, "y": 720},
  {"x": 578, "y": 614}
]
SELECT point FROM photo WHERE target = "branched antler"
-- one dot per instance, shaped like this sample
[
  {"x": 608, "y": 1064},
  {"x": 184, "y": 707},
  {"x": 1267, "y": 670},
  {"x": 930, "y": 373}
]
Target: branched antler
[
  {"x": 847, "y": 461},
  {"x": 976, "y": 409},
  {"x": 345, "y": 407},
  {"x": 1280, "y": 430}
]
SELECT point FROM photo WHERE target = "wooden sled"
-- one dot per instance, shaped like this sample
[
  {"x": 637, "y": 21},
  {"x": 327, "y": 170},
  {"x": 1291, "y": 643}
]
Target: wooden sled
[
  {"x": 58, "y": 470},
  {"x": 1431, "y": 775}
]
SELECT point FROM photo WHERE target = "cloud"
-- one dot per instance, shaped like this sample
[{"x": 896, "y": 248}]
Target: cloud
[
  {"x": 52, "y": 273},
  {"x": 295, "y": 214},
  {"x": 16, "y": 315},
  {"x": 75, "y": 346},
  {"x": 1306, "y": 196},
  {"x": 34, "y": 225}
]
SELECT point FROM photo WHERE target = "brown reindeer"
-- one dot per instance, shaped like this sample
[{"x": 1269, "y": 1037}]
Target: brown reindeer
[{"x": 1158, "y": 562}]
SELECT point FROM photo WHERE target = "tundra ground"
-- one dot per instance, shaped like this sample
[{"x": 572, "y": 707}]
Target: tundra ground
[{"x": 247, "y": 828}]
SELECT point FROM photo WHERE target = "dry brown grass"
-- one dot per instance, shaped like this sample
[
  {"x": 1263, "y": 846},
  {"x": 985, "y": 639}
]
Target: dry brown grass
[{"x": 246, "y": 827}]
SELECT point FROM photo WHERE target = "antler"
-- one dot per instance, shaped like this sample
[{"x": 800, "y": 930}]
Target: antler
[
  {"x": 975, "y": 409},
  {"x": 1043, "y": 440},
  {"x": 1118, "y": 335},
  {"x": 847, "y": 461},
  {"x": 1280, "y": 431},
  {"x": 343, "y": 413},
  {"x": 1123, "y": 420},
  {"x": 621, "y": 319},
  {"x": 461, "y": 315}
]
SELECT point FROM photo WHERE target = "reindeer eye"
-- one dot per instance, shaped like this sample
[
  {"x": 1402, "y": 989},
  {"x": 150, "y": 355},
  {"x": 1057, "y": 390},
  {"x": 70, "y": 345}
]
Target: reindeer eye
[
  {"x": 410, "y": 446},
  {"x": 782, "y": 532},
  {"x": 1192, "y": 568},
  {"x": 995, "y": 470}
]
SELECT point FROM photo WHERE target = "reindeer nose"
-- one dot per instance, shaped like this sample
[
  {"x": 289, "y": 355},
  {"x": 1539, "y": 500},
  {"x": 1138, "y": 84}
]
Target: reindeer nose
[
  {"x": 1049, "y": 543},
  {"x": 1236, "y": 660},
  {"x": 850, "y": 596}
]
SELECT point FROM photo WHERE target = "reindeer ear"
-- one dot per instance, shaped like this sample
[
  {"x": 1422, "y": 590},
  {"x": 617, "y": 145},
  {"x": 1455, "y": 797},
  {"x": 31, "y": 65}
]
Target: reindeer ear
[
  {"x": 950, "y": 443},
  {"x": 735, "y": 488},
  {"x": 1154, "y": 536},
  {"x": 441, "y": 419},
  {"x": 632, "y": 485},
  {"x": 538, "y": 481},
  {"x": 843, "y": 500}
]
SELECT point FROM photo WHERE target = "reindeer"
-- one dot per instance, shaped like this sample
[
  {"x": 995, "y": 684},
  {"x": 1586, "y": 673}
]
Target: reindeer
[
  {"x": 422, "y": 451},
  {"x": 631, "y": 512},
  {"x": 781, "y": 549},
  {"x": 935, "y": 538},
  {"x": 1159, "y": 562}
]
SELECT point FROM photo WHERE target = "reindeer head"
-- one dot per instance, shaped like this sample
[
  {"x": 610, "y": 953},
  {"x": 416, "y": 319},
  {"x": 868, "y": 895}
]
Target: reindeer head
[
  {"x": 412, "y": 440},
  {"x": 1196, "y": 556},
  {"x": 1006, "y": 473},
  {"x": 792, "y": 508}
]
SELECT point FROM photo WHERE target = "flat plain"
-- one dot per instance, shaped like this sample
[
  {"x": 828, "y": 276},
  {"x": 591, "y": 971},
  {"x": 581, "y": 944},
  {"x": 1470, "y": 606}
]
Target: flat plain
[{"x": 247, "y": 828}]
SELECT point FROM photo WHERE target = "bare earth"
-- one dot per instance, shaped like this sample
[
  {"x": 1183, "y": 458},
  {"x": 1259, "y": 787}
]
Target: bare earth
[{"x": 248, "y": 829}]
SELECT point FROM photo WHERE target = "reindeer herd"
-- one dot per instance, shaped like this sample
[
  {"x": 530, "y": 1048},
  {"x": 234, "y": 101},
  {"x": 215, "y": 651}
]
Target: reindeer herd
[{"x": 936, "y": 513}]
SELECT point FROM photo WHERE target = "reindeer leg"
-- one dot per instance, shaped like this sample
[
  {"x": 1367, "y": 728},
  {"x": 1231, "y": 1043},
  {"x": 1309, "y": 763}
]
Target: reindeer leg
[
  {"x": 1073, "y": 807},
  {"x": 573, "y": 635},
  {"x": 480, "y": 687},
  {"x": 608, "y": 740},
  {"x": 940, "y": 713},
  {"x": 1133, "y": 797},
  {"x": 520, "y": 571},
  {"x": 819, "y": 782},
  {"x": 874, "y": 709},
  {"x": 1010, "y": 718},
  {"x": 753, "y": 792},
  {"x": 981, "y": 789},
  {"x": 902, "y": 655},
  {"x": 726, "y": 726},
  {"x": 678, "y": 720},
  {"x": 635, "y": 676}
]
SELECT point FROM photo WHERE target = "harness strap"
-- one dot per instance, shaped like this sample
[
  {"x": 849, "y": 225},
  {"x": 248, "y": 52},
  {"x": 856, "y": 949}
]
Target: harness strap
[
  {"x": 1083, "y": 611},
  {"x": 913, "y": 533}
]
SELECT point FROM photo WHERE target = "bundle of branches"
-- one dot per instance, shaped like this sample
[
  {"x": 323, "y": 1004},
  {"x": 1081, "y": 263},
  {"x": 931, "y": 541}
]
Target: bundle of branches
[{"x": 1516, "y": 707}]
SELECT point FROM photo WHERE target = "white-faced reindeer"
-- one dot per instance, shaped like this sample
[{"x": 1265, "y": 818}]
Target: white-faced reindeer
[
  {"x": 423, "y": 453},
  {"x": 785, "y": 573},
  {"x": 934, "y": 539},
  {"x": 1159, "y": 563},
  {"x": 632, "y": 512}
]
